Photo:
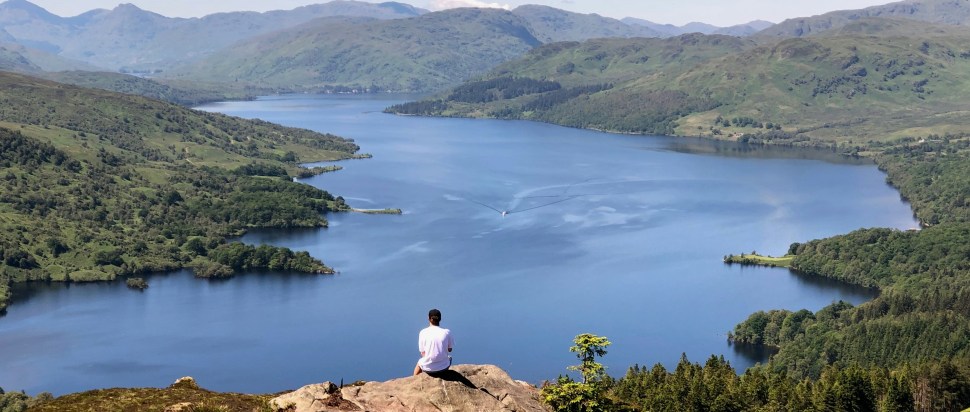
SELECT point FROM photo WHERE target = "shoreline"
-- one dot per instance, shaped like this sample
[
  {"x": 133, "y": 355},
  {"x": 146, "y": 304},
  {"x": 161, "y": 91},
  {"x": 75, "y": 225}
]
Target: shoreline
[
  {"x": 387, "y": 211},
  {"x": 753, "y": 259}
]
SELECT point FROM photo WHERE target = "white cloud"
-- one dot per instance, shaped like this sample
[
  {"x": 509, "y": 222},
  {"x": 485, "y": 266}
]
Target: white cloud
[{"x": 451, "y": 4}]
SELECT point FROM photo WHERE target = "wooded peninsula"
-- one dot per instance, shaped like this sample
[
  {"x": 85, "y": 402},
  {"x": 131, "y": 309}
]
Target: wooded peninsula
[{"x": 99, "y": 185}]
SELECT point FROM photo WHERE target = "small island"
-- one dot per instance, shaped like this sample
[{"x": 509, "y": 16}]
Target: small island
[{"x": 137, "y": 283}]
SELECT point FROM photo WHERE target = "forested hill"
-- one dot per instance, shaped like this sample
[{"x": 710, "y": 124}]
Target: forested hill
[
  {"x": 95, "y": 184},
  {"x": 877, "y": 80},
  {"x": 610, "y": 84},
  {"x": 423, "y": 53}
]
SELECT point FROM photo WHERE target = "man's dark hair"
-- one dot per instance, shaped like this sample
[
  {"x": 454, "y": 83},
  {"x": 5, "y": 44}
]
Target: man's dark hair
[{"x": 434, "y": 315}]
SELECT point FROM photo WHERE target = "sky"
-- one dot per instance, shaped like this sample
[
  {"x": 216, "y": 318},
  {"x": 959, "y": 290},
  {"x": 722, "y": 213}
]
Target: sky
[{"x": 678, "y": 12}]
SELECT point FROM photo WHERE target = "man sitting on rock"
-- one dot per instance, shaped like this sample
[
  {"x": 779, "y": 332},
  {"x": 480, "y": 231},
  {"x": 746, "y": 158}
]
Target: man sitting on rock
[{"x": 434, "y": 343}]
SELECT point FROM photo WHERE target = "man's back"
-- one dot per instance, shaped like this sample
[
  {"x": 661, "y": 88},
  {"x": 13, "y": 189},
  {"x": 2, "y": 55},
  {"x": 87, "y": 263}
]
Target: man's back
[{"x": 434, "y": 342}]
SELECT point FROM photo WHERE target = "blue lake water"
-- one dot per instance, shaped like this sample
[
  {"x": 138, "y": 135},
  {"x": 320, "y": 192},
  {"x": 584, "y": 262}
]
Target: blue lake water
[{"x": 616, "y": 235}]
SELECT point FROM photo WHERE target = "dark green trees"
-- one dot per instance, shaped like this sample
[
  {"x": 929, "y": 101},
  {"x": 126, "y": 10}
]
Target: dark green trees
[{"x": 567, "y": 395}]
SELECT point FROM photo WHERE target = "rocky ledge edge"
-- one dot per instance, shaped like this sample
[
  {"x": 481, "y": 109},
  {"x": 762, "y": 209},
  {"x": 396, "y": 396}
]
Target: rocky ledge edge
[{"x": 471, "y": 388}]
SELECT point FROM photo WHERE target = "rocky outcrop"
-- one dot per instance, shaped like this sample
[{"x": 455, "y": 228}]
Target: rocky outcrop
[{"x": 471, "y": 388}]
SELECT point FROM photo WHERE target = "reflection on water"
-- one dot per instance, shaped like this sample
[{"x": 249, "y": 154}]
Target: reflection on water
[
  {"x": 23, "y": 292},
  {"x": 698, "y": 146},
  {"x": 817, "y": 284},
  {"x": 758, "y": 353},
  {"x": 856, "y": 292}
]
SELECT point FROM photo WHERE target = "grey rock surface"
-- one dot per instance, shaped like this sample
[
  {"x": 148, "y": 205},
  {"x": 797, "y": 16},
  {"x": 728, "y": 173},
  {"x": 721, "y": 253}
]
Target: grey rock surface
[{"x": 470, "y": 388}]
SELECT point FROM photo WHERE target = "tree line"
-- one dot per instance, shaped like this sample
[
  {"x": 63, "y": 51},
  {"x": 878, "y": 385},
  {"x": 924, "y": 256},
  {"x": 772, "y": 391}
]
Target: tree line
[{"x": 716, "y": 386}]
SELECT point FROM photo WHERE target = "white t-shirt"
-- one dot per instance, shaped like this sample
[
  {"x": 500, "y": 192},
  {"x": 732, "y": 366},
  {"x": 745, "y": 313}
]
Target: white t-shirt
[{"x": 434, "y": 341}]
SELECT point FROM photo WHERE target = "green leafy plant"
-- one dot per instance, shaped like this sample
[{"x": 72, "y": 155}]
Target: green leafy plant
[{"x": 588, "y": 395}]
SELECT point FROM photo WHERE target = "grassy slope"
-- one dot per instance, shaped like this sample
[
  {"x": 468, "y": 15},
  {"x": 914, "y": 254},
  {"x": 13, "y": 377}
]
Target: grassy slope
[
  {"x": 188, "y": 395},
  {"x": 183, "y": 93},
  {"x": 853, "y": 86},
  {"x": 619, "y": 60},
  {"x": 58, "y": 111},
  {"x": 98, "y": 184},
  {"x": 417, "y": 54}
]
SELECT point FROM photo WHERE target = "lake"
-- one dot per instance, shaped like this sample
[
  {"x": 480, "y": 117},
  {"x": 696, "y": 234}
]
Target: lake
[{"x": 621, "y": 236}]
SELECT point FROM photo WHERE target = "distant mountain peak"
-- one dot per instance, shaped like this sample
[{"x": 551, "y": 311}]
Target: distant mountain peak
[
  {"x": 402, "y": 8},
  {"x": 953, "y": 12},
  {"x": 698, "y": 27},
  {"x": 760, "y": 24},
  {"x": 553, "y": 25},
  {"x": 29, "y": 10},
  {"x": 131, "y": 9},
  {"x": 127, "y": 6},
  {"x": 21, "y": 4},
  {"x": 669, "y": 30}
]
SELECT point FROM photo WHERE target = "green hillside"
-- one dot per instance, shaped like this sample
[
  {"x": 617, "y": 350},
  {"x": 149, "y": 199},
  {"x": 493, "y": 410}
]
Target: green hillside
[
  {"x": 19, "y": 59},
  {"x": 857, "y": 86},
  {"x": 423, "y": 53},
  {"x": 609, "y": 84},
  {"x": 96, "y": 185},
  {"x": 879, "y": 80},
  {"x": 185, "y": 93}
]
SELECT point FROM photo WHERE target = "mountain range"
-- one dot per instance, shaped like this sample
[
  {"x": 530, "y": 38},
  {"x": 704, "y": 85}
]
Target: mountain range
[
  {"x": 667, "y": 30},
  {"x": 130, "y": 38},
  {"x": 865, "y": 81},
  {"x": 349, "y": 45},
  {"x": 948, "y": 12},
  {"x": 424, "y": 53},
  {"x": 313, "y": 47}
]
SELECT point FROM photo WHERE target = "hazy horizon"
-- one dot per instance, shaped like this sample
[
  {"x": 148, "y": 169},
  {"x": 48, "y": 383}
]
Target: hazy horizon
[{"x": 713, "y": 12}]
